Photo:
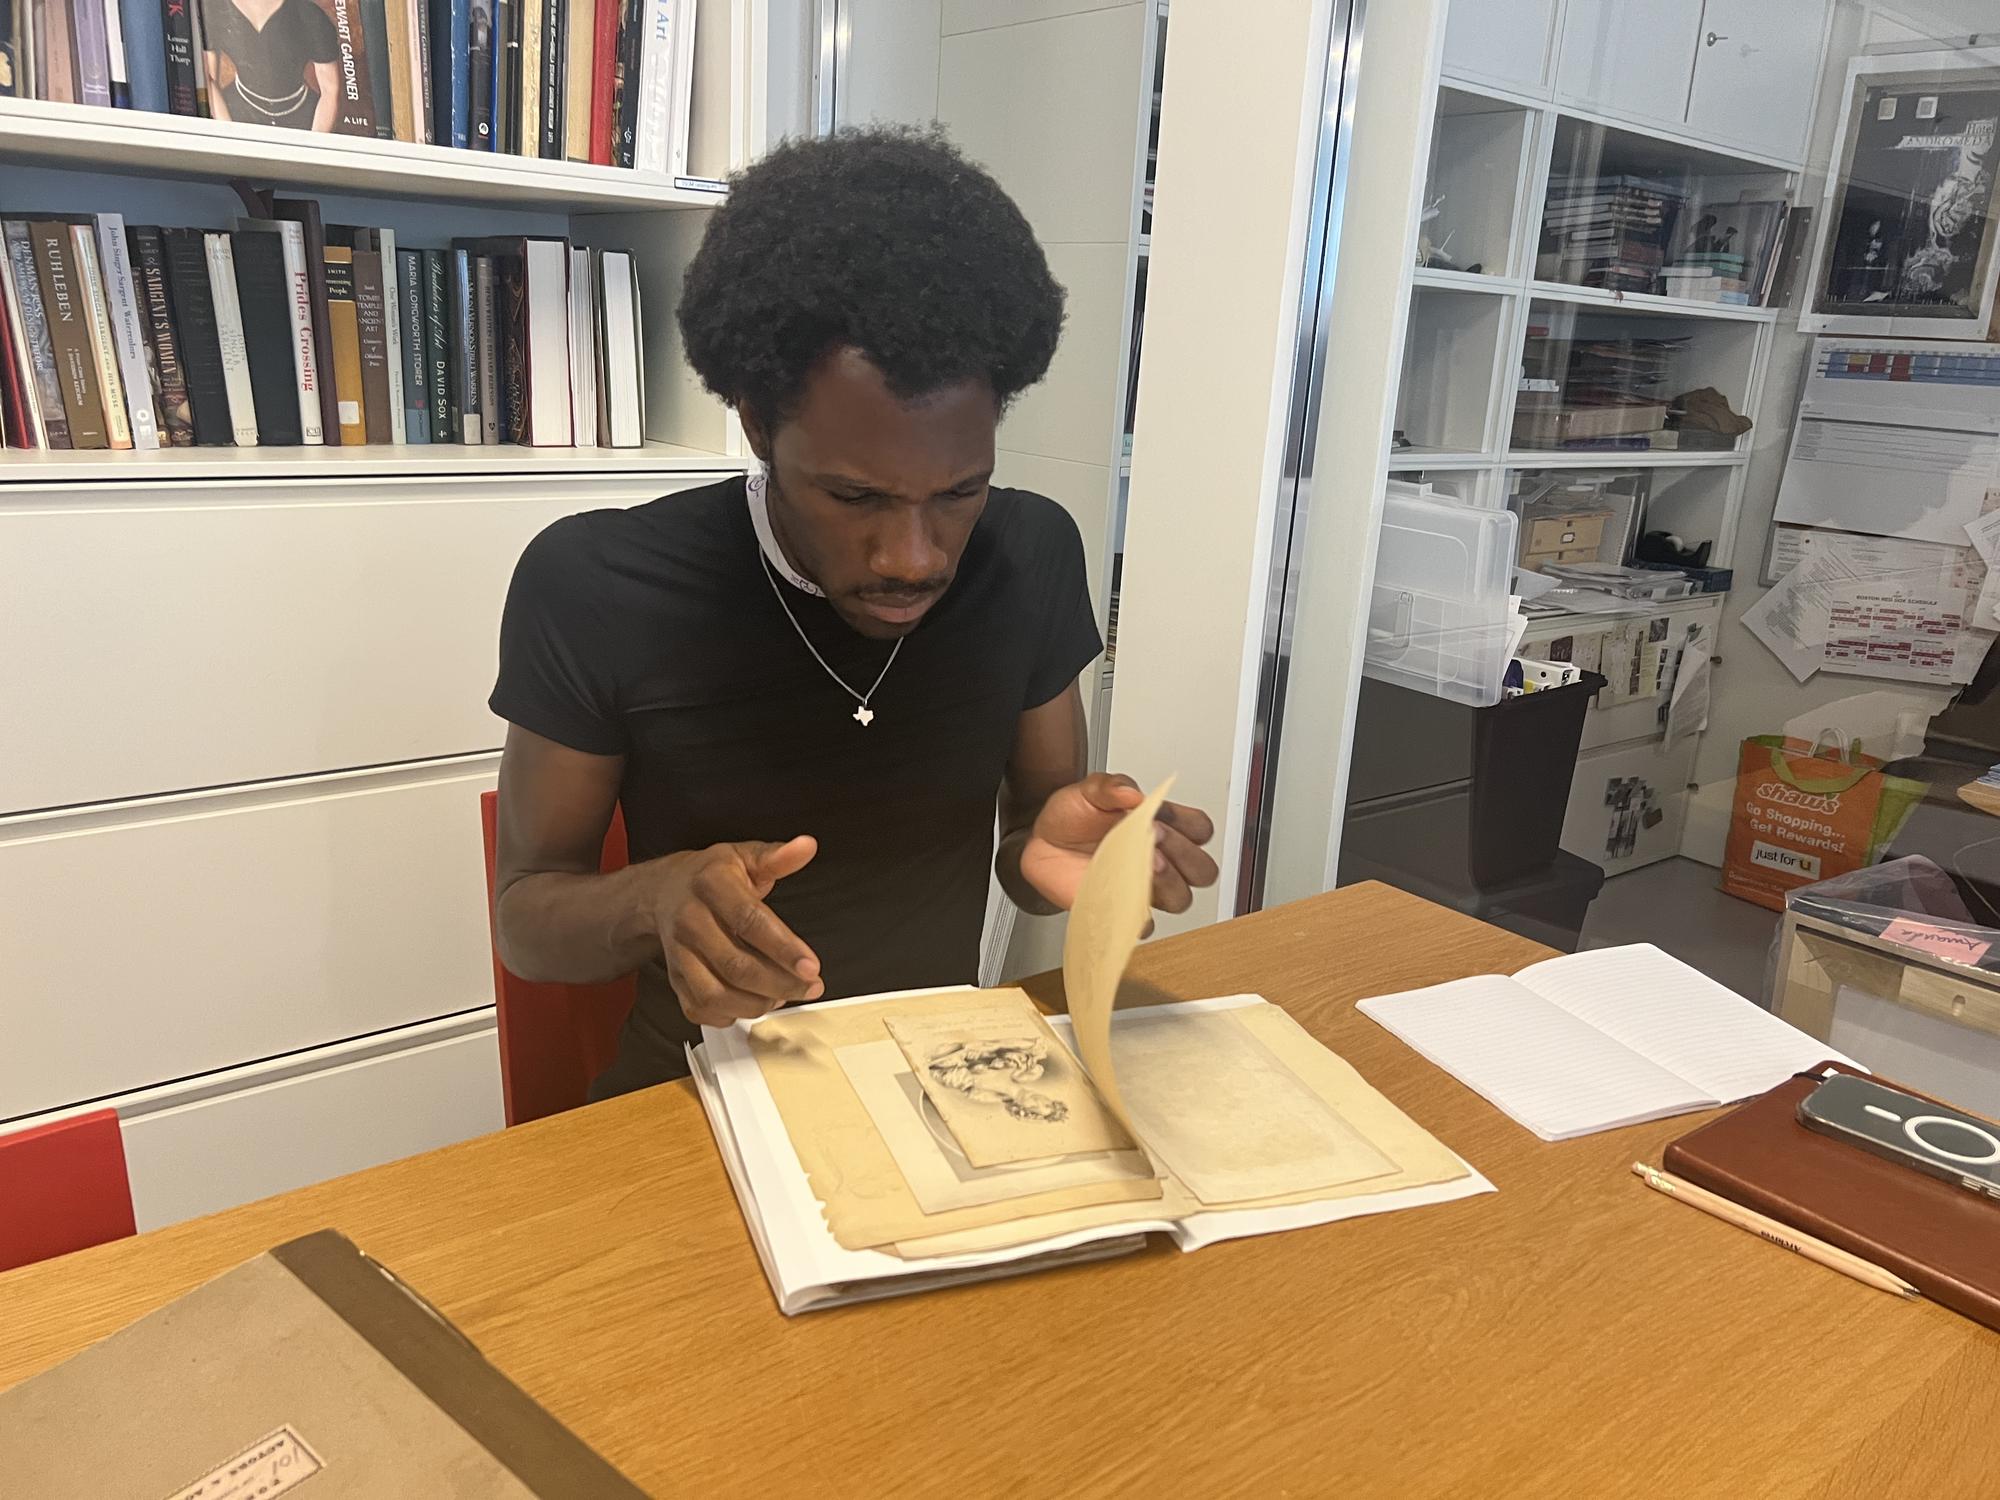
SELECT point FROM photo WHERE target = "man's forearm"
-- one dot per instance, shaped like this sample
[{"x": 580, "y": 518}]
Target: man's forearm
[
  {"x": 1007, "y": 866},
  {"x": 563, "y": 928}
]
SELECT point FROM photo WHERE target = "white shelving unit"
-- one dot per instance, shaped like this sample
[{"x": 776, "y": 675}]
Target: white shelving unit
[
  {"x": 1540, "y": 89},
  {"x": 1470, "y": 332},
  {"x": 239, "y": 830},
  {"x": 87, "y": 137}
]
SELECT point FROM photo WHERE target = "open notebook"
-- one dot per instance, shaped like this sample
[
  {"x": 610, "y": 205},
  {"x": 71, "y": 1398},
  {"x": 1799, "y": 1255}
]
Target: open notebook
[{"x": 1592, "y": 1041}]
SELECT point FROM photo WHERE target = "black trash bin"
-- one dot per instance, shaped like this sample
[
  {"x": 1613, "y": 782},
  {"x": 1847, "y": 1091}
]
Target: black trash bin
[{"x": 1430, "y": 778}]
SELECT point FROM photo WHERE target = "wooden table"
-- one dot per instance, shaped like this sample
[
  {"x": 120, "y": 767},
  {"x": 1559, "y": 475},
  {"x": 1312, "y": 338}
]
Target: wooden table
[{"x": 1572, "y": 1334}]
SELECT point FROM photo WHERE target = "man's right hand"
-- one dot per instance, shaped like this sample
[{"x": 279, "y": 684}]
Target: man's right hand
[{"x": 728, "y": 955}]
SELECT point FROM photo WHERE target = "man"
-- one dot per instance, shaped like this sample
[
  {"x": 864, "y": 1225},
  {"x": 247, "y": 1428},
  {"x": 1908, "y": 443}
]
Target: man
[{"x": 808, "y": 689}]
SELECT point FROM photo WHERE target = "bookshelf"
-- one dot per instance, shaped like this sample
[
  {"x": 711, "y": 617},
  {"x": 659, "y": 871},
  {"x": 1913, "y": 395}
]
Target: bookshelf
[
  {"x": 180, "y": 148},
  {"x": 240, "y": 844},
  {"x": 369, "y": 461},
  {"x": 1520, "y": 318},
  {"x": 1489, "y": 308}
]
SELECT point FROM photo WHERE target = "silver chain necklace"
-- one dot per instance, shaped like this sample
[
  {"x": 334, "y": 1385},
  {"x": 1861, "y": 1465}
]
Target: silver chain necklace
[{"x": 863, "y": 714}]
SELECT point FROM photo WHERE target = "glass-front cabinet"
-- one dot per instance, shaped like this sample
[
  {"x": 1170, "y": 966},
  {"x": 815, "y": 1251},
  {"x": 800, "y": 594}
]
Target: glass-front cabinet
[{"x": 1704, "y": 301}]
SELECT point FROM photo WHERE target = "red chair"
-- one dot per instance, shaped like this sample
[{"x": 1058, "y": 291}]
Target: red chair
[
  {"x": 554, "y": 1038},
  {"x": 63, "y": 1187}
]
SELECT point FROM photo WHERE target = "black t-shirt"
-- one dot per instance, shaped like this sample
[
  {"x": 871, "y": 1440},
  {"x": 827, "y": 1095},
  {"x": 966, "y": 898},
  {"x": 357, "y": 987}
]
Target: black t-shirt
[{"x": 655, "y": 633}]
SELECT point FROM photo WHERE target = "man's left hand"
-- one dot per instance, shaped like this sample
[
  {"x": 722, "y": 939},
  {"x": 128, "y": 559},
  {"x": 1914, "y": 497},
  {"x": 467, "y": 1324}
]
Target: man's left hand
[{"x": 1074, "y": 821}]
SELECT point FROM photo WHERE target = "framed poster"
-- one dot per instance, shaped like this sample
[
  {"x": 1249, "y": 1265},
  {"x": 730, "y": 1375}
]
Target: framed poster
[{"x": 1908, "y": 242}]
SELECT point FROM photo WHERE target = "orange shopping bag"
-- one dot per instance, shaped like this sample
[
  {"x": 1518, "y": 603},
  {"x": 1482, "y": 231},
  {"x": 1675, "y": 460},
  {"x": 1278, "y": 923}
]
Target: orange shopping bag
[{"x": 1803, "y": 812}]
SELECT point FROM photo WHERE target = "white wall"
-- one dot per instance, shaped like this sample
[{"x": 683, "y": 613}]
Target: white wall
[
  {"x": 891, "y": 57},
  {"x": 1365, "y": 337},
  {"x": 1754, "y": 694}
]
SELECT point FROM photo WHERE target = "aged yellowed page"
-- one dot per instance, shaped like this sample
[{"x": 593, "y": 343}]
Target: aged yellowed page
[
  {"x": 1418, "y": 1157},
  {"x": 853, "y": 1172},
  {"x": 1110, "y": 913},
  {"x": 1004, "y": 1087},
  {"x": 1226, "y": 1116}
]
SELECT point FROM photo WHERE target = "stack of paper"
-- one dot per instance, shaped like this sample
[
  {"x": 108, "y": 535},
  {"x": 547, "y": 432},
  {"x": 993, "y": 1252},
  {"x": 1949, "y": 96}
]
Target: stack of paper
[{"x": 892, "y": 1144}]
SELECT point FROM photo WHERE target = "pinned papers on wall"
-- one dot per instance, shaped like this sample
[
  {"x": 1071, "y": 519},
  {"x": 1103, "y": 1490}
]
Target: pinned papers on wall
[
  {"x": 1687, "y": 709},
  {"x": 1894, "y": 439},
  {"x": 1873, "y": 606}
]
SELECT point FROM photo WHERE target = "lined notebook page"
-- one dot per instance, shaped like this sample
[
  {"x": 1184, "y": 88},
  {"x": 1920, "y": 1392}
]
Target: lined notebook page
[
  {"x": 1552, "y": 1071},
  {"x": 1679, "y": 1018}
]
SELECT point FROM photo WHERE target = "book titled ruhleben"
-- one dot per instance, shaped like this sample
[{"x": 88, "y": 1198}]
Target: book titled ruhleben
[{"x": 311, "y": 1368}]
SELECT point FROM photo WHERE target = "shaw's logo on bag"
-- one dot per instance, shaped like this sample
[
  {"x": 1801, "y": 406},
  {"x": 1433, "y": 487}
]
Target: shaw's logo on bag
[{"x": 1791, "y": 796}]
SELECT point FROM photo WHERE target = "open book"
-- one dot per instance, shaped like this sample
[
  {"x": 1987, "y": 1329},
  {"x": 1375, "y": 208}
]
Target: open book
[
  {"x": 891, "y": 1144},
  {"x": 1592, "y": 1041}
]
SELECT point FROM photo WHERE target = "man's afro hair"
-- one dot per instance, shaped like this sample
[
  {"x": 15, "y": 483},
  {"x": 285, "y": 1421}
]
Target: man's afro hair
[{"x": 884, "y": 239}]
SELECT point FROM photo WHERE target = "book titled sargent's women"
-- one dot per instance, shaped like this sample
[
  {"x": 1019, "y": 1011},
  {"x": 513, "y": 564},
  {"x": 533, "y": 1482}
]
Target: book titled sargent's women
[{"x": 169, "y": 377}]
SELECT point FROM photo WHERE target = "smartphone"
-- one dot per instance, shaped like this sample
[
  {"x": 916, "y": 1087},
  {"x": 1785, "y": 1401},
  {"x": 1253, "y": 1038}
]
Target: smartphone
[{"x": 1933, "y": 1138}]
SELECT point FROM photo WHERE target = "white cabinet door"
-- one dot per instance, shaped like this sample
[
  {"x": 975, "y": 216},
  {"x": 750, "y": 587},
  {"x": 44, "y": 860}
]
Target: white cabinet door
[
  {"x": 172, "y": 636},
  {"x": 1627, "y": 805},
  {"x": 223, "y": 1141},
  {"x": 157, "y": 942},
  {"x": 1755, "y": 65},
  {"x": 1500, "y": 41},
  {"x": 1630, "y": 58}
]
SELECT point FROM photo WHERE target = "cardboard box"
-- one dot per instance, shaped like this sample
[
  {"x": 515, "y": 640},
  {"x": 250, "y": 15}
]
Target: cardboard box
[
  {"x": 310, "y": 1367},
  {"x": 1535, "y": 560},
  {"x": 1575, "y": 531}
]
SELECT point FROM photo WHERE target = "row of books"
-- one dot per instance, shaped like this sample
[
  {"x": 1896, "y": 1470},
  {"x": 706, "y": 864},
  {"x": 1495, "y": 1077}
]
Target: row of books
[
  {"x": 1607, "y": 231},
  {"x": 1612, "y": 393},
  {"x": 284, "y": 332},
  {"x": 1629, "y": 233},
  {"x": 604, "y": 81}
]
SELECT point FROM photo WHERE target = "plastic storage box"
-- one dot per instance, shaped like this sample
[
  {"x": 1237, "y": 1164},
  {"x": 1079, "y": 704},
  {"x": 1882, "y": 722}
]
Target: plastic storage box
[{"x": 1437, "y": 621}]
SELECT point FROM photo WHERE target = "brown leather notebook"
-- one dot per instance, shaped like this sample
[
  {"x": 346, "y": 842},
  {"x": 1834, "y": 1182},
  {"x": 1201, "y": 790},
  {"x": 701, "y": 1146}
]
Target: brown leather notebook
[{"x": 1942, "y": 1239}]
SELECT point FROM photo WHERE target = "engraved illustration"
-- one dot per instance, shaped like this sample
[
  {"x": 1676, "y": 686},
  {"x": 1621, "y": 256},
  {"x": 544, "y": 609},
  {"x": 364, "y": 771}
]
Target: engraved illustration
[
  {"x": 1005, "y": 1088},
  {"x": 997, "y": 1071}
]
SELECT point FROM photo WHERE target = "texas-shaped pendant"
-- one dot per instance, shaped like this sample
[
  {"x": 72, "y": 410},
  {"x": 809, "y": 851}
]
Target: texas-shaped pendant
[{"x": 864, "y": 716}]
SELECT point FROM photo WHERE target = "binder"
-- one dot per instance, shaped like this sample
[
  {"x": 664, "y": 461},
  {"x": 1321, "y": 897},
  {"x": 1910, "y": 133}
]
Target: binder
[{"x": 1941, "y": 1238}]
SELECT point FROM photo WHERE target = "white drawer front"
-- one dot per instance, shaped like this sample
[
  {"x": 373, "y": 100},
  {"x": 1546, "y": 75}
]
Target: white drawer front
[
  {"x": 161, "y": 942},
  {"x": 185, "y": 637},
  {"x": 269, "y": 1136}
]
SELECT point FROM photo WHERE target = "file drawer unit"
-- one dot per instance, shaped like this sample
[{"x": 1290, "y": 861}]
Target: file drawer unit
[{"x": 240, "y": 852}]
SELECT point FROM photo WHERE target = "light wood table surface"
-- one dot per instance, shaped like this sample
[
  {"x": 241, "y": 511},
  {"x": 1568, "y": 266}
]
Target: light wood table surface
[{"x": 1572, "y": 1334}]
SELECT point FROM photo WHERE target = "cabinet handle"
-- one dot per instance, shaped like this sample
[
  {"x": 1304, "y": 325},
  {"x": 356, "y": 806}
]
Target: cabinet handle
[{"x": 1713, "y": 39}]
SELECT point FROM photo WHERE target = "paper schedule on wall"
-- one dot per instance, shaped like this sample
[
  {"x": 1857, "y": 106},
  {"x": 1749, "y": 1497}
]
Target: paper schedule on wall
[
  {"x": 1894, "y": 439},
  {"x": 1873, "y": 606}
]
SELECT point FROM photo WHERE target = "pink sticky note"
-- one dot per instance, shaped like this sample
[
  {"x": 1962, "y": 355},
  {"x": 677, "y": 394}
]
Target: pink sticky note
[{"x": 1940, "y": 942}]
